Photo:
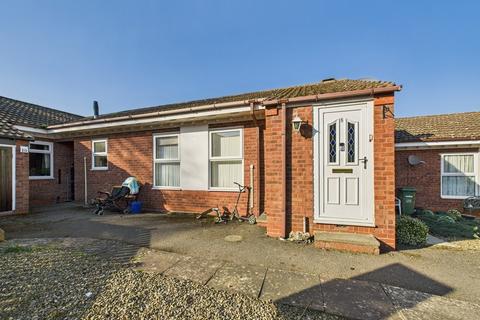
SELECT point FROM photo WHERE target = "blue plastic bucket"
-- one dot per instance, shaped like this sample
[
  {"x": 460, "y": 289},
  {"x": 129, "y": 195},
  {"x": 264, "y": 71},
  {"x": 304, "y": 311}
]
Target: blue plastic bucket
[{"x": 136, "y": 206}]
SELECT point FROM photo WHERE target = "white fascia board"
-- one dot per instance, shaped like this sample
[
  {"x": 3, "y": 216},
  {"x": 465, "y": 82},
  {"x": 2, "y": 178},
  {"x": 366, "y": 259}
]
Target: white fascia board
[
  {"x": 194, "y": 115},
  {"x": 436, "y": 144},
  {"x": 334, "y": 102},
  {"x": 31, "y": 129}
]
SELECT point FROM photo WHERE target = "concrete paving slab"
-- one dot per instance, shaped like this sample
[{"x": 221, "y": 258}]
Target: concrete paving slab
[
  {"x": 244, "y": 279},
  {"x": 357, "y": 299},
  {"x": 194, "y": 269},
  {"x": 156, "y": 261},
  {"x": 423, "y": 306},
  {"x": 293, "y": 288}
]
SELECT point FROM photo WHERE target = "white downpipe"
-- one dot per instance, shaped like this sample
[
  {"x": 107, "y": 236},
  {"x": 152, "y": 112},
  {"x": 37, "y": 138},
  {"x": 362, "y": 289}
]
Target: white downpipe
[{"x": 85, "y": 179}]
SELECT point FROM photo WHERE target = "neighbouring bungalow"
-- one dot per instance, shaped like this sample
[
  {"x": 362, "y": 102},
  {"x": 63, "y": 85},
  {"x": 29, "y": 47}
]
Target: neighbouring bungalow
[
  {"x": 34, "y": 169},
  {"x": 446, "y": 167},
  {"x": 318, "y": 157}
]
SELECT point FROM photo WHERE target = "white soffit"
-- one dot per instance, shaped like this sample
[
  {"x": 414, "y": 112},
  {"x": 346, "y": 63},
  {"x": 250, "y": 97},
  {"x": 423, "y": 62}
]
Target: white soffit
[
  {"x": 437, "y": 144},
  {"x": 177, "y": 117}
]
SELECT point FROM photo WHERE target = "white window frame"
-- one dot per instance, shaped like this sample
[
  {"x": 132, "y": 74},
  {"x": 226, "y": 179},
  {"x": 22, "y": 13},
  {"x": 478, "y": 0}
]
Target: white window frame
[
  {"x": 213, "y": 159},
  {"x": 50, "y": 152},
  {"x": 356, "y": 125},
  {"x": 475, "y": 174},
  {"x": 105, "y": 153},
  {"x": 155, "y": 160},
  {"x": 337, "y": 143}
]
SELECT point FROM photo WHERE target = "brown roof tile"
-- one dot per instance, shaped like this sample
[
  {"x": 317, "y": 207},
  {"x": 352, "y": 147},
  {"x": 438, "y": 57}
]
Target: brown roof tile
[
  {"x": 32, "y": 115},
  {"x": 443, "y": 127},
  {"x": 331, "y": 86},
  {"x": 8, "y": 131}
]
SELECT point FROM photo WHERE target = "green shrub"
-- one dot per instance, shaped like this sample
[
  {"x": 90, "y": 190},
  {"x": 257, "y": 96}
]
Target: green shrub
[
  {"x": 411, "y": 231},
  {"x": 455, "y": 214},
  {"x": 428, "y": 213},
  {"x": 446, "y": 218},
  {"x": 443, "y": 225}
]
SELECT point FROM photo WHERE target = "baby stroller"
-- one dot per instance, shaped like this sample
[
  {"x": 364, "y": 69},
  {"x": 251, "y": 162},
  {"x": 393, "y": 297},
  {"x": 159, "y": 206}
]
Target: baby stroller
[{"x": 119, "y": 198}]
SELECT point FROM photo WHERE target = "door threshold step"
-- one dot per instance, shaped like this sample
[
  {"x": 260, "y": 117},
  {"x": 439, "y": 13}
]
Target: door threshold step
[{"x": 351, "y": 242}]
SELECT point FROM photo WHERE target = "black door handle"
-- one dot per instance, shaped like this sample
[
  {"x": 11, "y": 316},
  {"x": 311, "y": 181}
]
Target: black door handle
[{"x": 364, "y": 160}]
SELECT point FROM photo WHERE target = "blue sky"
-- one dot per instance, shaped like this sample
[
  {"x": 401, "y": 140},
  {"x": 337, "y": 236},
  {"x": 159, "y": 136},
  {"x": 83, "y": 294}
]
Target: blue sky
[{"x": 129, "y": 54}]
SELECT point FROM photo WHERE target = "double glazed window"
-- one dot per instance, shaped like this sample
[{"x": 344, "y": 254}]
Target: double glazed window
[
  {"x": 41, "y": 157},
  {"x": 166, "y": 161},
  {"x": 217, "y": 153},
  {"x": 459, "y": 175},
  {"x": 226, "y": 158},
  {"x": 99, "y": 154}
]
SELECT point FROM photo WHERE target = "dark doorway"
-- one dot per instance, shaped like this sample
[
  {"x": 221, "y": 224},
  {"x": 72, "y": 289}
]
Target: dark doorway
[
  {"x": 6, "y": 179},
  {"x": 72, "y": 183}
]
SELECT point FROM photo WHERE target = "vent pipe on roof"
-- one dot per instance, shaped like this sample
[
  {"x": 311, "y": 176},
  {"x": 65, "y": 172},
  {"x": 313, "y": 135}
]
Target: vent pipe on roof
[{"x": 96, "y": 111}]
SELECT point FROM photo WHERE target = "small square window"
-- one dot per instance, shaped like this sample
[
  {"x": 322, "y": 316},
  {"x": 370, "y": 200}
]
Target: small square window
[
  {"x": 99, "y": 155},
  {"x": 40, "y": 160},
  {"x": 459, "y": 175}
]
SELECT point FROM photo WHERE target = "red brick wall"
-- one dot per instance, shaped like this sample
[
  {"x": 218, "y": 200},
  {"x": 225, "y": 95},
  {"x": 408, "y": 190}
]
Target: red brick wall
[
  {"x": 50, "y": 191},
  {"x": 299, "y": 171},
  {"x": 273, "y": 174},
  {"x": 21, "y": 182},
  {"x": 426, "y": 177},
  {"x": 300, "y": 175},
  {"x": 131, "y": 154}
]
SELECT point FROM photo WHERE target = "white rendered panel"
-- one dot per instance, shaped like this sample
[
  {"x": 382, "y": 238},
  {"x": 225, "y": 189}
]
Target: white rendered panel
[{"x": 194, "y": 157}]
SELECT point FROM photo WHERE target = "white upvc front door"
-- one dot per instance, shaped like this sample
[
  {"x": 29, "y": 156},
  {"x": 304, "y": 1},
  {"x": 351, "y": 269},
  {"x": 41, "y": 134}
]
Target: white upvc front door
[{"x": 344, "y": 164}]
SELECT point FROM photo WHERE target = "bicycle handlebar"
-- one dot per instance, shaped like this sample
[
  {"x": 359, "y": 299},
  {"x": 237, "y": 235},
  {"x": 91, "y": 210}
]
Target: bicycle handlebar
[{"x": 240, "y": 187}]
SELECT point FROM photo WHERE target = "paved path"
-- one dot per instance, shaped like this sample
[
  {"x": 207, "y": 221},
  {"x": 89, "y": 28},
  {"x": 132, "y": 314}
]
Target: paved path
[{"x": 349, "y": 298}]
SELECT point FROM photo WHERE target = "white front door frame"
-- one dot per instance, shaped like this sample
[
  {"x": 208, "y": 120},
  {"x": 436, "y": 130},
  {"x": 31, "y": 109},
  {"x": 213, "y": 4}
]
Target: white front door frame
[
  {"x": 14, "y": 177},
  {"x": 369, "y": 194}
]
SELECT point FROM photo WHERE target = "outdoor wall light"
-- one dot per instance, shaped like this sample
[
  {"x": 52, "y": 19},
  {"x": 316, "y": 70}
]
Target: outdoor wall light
[{"x": 297, "y": 123}]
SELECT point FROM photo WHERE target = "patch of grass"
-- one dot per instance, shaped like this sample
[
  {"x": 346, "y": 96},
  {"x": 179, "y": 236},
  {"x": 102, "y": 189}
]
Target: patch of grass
[
  {"x": 443, "y": 225},
  {"x": 26, "y": 249},
  {"x": 17, "y": 249}
]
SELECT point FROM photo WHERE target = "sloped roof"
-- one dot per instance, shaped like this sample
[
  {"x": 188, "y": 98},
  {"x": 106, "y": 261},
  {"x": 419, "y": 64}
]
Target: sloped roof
[
  {"x": 8, "y": 131},
  {"x": 326, "y": 86},
  {"x": 32, "y": 115},
  {"x": 442, "y": 127}
]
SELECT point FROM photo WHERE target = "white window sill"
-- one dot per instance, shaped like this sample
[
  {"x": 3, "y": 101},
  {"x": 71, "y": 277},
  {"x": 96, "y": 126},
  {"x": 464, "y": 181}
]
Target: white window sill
[
  {"x": 41, "y": 178},
  {"x": 167, "y": 188},
  {"x": 455, "y": 197},
  {"x": 223, "y": 190},
  {"x": 99, "y": 169}
]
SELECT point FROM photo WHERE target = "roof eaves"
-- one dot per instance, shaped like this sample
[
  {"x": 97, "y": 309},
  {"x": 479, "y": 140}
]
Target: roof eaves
[{"x": 270, "y": 100}]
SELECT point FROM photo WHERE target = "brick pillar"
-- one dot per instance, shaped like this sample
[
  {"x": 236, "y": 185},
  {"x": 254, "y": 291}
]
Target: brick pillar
[
  {"x": 384, "y": 148},
  {"x": 22, "y": 182},
  {"x": 273, "y": 174}
]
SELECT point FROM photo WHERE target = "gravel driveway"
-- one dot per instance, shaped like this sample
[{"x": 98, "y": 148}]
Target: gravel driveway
[
  {"x": 449, "y": 273},
  {"x": 63, "y": 279}
]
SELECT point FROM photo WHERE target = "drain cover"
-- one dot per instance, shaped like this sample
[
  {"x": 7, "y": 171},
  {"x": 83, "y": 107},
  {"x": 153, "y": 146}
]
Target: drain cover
[{"x": 233, "y": 238}]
